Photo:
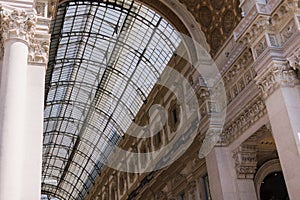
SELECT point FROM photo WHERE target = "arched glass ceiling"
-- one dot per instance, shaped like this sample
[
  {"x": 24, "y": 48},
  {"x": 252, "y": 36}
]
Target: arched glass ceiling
[{"x": 105, "y": 57}]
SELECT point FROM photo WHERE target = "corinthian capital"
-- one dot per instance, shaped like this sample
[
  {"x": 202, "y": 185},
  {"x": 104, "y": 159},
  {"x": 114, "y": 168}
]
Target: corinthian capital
[
  {"x": 279, "y": 74},
  {"x": 17, "y": 23}
]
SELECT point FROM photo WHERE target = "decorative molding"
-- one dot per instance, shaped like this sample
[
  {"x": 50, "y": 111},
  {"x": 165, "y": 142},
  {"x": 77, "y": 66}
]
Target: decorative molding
[
  {"x": 122, "y": 183},
  {"x": 260, "y": 47},
  {"x": 268, "y": 17},
  {"x": 41, "y": 7},
  {"x": 161, "y": 195},
  {"x": 245, "y": 160},
  {"x": 279, "y": 74},
  {"x": 38, "y": 50},
  {"x": 243, "y": 121}
]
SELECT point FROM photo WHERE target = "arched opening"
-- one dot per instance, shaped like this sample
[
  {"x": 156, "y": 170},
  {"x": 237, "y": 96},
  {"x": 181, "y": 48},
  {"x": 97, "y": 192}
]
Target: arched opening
[{"x": 273, "y": 187}]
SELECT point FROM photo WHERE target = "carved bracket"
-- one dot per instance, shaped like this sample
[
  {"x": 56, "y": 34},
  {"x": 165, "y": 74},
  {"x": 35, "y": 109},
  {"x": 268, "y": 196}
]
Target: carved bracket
[{"x": 245, "y": 161}]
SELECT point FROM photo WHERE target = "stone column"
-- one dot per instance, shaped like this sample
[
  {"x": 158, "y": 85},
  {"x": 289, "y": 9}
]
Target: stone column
[
  {"x": 281, "y": 90},
  {"x": 272, "y": 36},
  {"x": 21, "y": 106},
  {"x": 220, "y": 173}
]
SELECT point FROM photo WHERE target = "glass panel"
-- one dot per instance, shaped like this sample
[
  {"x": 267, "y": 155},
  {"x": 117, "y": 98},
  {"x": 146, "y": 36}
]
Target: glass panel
[{"x": 105, "y": 58}]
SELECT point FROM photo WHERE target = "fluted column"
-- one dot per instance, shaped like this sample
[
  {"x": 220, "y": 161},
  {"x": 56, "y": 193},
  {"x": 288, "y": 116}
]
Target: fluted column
[{"x": 21, "y": 105}]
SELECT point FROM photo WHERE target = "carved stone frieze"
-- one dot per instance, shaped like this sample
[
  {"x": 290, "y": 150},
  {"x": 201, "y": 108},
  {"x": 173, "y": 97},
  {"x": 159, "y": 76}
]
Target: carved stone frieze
[
  {"x": 178, "y": 179},
  {"x": 260, "y": 47},
  {"x": 243, "y": 121},
  {"x": 279, "y": 74},
  {"x": 241, "y": 64},
  {"x": 245, "y": 160},
  {"x": 288, "y": 31}
]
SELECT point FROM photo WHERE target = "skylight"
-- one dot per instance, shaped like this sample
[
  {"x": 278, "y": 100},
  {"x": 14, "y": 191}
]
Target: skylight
[{"x": 105, "y": 58}]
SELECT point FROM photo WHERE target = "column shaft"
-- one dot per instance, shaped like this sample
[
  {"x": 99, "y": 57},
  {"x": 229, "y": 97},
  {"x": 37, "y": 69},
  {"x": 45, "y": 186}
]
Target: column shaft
[
  {"x": 220, "y": 173},
  {"x": 284, "y": 113},
  {"x": 12, "y": 118}
]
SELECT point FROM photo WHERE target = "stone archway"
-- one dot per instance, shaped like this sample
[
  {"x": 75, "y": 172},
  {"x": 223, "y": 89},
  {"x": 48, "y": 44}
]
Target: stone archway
[{"x": 266, "y": 169}]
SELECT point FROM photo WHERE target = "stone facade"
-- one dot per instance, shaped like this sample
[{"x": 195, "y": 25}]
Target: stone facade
[{"x": 256, "y": 47}]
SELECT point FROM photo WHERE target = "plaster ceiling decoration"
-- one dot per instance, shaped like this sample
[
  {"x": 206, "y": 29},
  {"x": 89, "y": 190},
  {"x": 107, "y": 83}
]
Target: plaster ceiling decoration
[{"x": 217, "y": 18}]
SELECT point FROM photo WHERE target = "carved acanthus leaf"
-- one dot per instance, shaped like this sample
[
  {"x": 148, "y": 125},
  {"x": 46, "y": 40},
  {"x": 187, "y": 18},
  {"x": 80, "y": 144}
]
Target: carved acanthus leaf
[
  {"x": 38, "y": 50},
  {"x": 18, "y": 23},
  {"x": 280, "y": 74}
]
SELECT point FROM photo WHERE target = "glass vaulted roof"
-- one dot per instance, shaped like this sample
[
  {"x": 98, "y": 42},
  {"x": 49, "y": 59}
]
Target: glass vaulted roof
[{"x": 105, "y": 57}]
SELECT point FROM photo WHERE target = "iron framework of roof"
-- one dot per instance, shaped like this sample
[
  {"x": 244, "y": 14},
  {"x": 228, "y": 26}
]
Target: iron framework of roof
[{"x": 105, "y": 58}]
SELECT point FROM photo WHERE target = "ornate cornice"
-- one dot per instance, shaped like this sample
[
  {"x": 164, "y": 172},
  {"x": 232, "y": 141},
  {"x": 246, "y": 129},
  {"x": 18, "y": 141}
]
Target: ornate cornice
[
  {"x": 17, "y": 23},
  {"x": 262, "y": 18},
  {"x": 279, "y": 74}
]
